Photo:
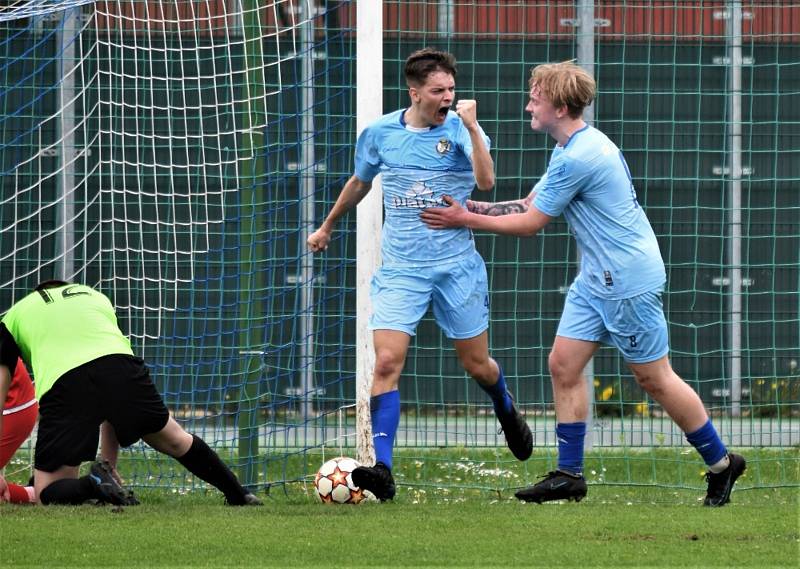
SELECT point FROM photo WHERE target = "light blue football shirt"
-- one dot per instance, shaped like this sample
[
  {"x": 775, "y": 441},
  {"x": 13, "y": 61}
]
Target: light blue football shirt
[
  {"x": 589, "y": 182},
  {"x": 419, "y": 166}
]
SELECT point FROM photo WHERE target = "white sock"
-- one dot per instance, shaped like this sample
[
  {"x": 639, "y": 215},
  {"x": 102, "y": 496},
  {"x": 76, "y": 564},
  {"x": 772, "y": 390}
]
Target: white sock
[{"x": 718, "y": 467}]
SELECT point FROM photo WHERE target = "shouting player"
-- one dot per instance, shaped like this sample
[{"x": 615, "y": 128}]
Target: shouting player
[{"x": 424, "y": 152}]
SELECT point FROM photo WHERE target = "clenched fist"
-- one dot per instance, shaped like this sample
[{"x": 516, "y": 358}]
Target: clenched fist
[
  {"x": 318, "y": 241},
  {"x": 467, "y": 109}
]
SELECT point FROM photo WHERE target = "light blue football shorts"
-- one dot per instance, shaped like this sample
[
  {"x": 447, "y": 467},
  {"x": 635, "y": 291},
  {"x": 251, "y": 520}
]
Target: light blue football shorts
[
  {"x": 458, "y": 290},
  {"x": 636, "y": 326}
]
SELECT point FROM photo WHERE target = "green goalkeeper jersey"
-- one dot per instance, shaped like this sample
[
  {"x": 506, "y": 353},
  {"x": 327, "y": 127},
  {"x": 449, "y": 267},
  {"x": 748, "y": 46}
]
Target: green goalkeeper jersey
[{"x": 59, "y": 329}]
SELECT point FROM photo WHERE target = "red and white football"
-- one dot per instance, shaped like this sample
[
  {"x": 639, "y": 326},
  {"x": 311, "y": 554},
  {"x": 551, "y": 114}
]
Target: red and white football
[{"x": 334, "y": 482}]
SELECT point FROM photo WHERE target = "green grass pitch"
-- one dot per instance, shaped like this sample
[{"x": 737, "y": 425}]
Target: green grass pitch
[{"x": 426, "y": 526}]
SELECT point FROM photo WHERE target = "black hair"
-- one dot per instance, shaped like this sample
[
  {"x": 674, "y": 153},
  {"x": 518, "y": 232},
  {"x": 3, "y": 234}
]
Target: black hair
[{"x": 52, "y": 283}]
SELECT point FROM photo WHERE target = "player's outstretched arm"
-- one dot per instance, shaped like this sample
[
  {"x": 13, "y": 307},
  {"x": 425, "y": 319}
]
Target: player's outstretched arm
[
  {"x": 352, "y": 194},
  {"x": 482, "y": 163},
  {"x": 501, "y": 208},
  {"x": 520, "y": 224}
]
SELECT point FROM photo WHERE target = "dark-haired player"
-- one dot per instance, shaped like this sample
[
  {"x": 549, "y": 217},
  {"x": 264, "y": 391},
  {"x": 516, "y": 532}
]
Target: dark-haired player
[{"x": 424, "y": 152}]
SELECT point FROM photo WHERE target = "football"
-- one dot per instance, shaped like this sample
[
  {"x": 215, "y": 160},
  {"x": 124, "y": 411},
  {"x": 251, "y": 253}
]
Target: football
[{"x": 334, "y": 482}]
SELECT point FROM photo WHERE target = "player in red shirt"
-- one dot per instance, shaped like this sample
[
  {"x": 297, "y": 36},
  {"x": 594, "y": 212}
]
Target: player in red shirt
[{"x": 16, "y": 423}]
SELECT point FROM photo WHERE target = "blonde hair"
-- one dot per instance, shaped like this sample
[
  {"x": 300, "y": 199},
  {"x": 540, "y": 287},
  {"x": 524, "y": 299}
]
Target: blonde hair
[{"x": 564, "y": 84}]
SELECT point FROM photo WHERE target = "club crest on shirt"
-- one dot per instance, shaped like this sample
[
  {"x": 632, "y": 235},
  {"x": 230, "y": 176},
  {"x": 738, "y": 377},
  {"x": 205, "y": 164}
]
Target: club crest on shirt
[{"x": 443, "y": 146}]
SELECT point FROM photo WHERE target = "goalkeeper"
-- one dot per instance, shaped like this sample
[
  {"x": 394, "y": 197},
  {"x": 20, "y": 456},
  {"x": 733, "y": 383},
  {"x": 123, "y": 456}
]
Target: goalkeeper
[
  {"x": 616, "y": 296},
  {"x": 424, "y": 152},
  {"x": 86, "y": 374}
]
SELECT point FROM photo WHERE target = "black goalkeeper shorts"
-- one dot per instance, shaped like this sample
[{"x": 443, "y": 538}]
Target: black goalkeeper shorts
[{"x": 115, "y": 388}]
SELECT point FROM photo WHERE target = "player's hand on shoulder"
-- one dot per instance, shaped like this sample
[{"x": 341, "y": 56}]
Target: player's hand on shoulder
[
  {"x": 318, "y": 241},
  {"x": 467, "y": 109}
]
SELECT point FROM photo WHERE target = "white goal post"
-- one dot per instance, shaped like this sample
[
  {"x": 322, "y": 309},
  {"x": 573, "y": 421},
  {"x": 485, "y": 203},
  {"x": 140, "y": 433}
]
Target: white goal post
[{"x": 369, "y": 107}]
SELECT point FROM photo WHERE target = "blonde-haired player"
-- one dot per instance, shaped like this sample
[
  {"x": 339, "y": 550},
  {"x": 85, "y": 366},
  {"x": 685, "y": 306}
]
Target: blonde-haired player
[{"x": 615, "y": 298}]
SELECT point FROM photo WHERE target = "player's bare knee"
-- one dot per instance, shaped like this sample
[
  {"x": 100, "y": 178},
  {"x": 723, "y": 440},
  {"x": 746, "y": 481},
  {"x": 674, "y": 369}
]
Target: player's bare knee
[
  {"x": 651, "y": 383},
  {"x": 480, "y": 370},
  {"x": 181, "y": 446},
  {"x": 171, "y": 440},
  {"x": 175, "y": 448},
  {"x": 643, "y": 379},
  {"x": 387, "y": 365},
  {"x": 562, "y": 372}
]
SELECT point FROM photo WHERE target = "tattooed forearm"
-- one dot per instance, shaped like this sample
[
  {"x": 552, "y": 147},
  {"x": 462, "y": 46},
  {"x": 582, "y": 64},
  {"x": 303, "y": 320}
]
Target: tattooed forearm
[{"x": 499, "y": 208}]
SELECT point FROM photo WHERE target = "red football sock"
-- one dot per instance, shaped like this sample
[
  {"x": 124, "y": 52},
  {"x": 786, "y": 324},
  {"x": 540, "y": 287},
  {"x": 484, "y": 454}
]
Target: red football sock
[{"x": 19, "y": 495}]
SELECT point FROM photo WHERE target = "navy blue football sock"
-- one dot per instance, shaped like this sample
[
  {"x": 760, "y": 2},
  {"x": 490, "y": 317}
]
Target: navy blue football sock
[
  {"x": 385, "y": 416},
  {"x": 708, "y": 444},
  {"x": 501, "y": 400},
  {"x": 570, "y": 438}
]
